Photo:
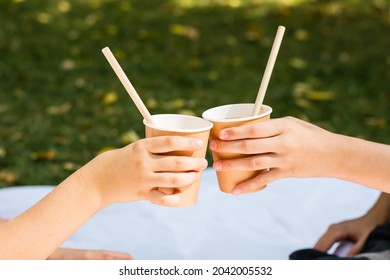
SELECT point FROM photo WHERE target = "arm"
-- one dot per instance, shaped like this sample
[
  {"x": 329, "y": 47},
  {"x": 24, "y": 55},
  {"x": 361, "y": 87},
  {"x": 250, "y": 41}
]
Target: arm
[
  {"x": 135, "y": 172},
  {"x": 294, "y": 148},
  {"x": 82, "y": 254},
  {"x": 356, "y": 230}
]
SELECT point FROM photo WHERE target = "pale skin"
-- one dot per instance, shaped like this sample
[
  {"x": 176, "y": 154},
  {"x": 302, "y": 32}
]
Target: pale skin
[
  {"x": 294, "y": 148},
  {"x": 135, "y": 172},
  {"x": 81, "y": 254}
]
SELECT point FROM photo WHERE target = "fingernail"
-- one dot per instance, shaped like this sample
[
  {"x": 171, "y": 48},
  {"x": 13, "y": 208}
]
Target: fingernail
[
  {"x": 217, "y": 165},
  {"x": 213, "y": 145},
  {"x": 205, "y": 163},
  {"x": 223, "y": 134},
  {"x": 236, "y": 191}
]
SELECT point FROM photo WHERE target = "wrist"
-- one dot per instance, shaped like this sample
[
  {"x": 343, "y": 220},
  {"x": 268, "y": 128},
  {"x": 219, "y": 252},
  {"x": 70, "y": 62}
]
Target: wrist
[
  {"x": 335, "y": 157},
  {"x": 377, "y": 217},
  {"x": 89, "y": 186},
  {"x": 346, "y": 165},
  {"x": 380, "y": 212}
]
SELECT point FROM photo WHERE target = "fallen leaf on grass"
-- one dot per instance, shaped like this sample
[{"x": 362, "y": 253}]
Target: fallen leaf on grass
[
  {"x": 3, "y": 152},
  {"x": 297, "y": 63},
  {"x": 151, "y": 103},
  {"x": 8, "y": 176},
  {"x": 377, "y": 122},
  {"x": 185, "y": 30},
  {"x": 70, "y": 166},
  {"x": 187, "y": 112},
  {"x": 110, "y": 98},
  {"x": 320, "y": 95},
  {"x": 43, "y": 155},
  {"x": 59, "y": 109}
]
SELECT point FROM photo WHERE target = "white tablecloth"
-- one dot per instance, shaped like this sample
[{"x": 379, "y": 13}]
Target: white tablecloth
[{"x": 289, "y": 214}]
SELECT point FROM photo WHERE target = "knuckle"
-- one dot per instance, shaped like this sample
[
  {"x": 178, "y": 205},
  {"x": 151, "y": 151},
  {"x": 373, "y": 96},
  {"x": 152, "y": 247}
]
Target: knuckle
[
  {"x": 285, "y": 145},
  {"x": 138, "y": 146},
  {"x": 140, "y": 165},
  {"x": 333, "y": 228},
  {"x": 174, "y": 180},
  {"x": 254, "y": 130},
  {"x": 289, "y": 119},
  {"x": 247, "y": 146},
  {"x": 255, "y": 163},
  {"x": 171, "y": 142},
  {"x": 259, "y": 181},
  {"x": 178, "y": 163}
]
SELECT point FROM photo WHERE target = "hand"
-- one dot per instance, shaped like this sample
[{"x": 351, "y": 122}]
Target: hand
[
  {"x": 80, "y": 254},
  {"x": 139, "y": 170},
  {"x": 288, "y": 147},
  {"x": 356, "y": 230}
]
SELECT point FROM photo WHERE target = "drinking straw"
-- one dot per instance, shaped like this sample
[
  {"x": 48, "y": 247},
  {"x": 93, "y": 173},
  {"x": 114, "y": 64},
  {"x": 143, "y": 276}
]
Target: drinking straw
[
  {"x": 268, "y": 70},
  {"x": 127, "y": 84}
]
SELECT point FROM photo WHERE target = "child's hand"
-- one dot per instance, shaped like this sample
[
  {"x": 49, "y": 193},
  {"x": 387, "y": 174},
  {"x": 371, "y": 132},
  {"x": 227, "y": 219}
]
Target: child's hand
[{"x": 137, "y": 171}]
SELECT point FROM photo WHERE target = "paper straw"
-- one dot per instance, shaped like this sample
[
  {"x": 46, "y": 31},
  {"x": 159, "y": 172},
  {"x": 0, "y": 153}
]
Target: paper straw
[
  {"x": 127, "y": 84},
  {"x": 268, "y": 70}
]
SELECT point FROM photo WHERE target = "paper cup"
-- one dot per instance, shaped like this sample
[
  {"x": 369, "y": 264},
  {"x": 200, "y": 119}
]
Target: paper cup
[
  {"x": 182, "y": 125},
  {"x": 231, "y": 116}
]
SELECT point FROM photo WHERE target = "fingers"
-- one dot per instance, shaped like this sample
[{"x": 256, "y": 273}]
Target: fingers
[
  {"x": 264, "y": 129},
  {"x": 162, "y": 199},
  {"x": 248, "y": 146},
  {"x": 257, "y": 162},
  {"x": 174, "y": 180},
  {"x": 330, "y": 237},
  {"x": 178, "y": 164},
  {"x": 257, "y": 183},
  {"x": 165, "y": 144},
  {"x": 356, "y": 248}
]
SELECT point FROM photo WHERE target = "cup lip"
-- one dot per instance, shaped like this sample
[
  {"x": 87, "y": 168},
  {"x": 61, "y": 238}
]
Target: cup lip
[
  {"x": 189, "y": 130},
  {"x": 205, "y": 113}
]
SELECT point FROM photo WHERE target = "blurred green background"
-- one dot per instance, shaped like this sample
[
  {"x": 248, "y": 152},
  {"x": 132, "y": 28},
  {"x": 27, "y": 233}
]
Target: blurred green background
[{"x": 61, "y": 103}]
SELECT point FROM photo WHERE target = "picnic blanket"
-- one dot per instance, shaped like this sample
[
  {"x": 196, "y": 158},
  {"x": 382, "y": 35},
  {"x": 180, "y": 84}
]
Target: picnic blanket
[{"x": 288, "y": 215}]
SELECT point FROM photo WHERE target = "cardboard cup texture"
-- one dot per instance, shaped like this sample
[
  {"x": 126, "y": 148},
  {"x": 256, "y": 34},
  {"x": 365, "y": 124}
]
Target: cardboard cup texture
[
  {"x": 232, "y": 116},
  {"x": 182, "y": 125}
]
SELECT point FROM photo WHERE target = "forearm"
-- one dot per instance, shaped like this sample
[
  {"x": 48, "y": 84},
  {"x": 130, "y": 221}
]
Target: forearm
[
  {"x": 363, "y": 162},
  {"x": 380, "y": 212},
  {"x": 36, "y": 233}
]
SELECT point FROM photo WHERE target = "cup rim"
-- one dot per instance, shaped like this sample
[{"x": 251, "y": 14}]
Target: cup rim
[
  {"x": 268, "y": 111},
  {"x": 189, "y": 130}
]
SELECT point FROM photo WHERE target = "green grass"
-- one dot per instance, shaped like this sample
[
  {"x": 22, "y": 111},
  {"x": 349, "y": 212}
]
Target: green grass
[{"x": 61, "y": 103}]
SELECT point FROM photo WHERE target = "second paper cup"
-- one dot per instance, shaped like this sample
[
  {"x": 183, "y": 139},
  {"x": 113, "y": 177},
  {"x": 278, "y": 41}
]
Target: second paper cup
[{"x": 231, "y": 116}]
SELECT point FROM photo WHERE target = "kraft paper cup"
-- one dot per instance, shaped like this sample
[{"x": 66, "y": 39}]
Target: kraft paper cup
[
  {"x": 182, "y": 125},
  {"x": 231, "y": 116}
]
